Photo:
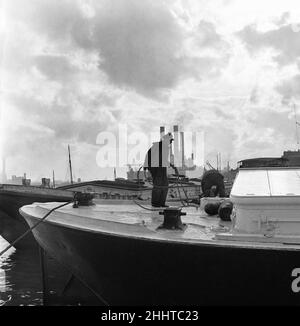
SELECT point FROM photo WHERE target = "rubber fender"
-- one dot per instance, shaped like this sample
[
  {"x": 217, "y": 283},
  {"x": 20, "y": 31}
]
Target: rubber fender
[
  {"x": 212, "y": 208},
  {"x": 225, "y": 210}
]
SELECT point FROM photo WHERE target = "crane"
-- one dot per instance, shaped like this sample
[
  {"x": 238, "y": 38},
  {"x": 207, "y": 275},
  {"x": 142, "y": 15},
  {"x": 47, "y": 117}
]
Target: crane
[{"x": 209, "y": 165}]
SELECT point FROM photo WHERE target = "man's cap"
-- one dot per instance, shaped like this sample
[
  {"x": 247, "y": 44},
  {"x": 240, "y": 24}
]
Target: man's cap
[{"x": 168, "y": 137}]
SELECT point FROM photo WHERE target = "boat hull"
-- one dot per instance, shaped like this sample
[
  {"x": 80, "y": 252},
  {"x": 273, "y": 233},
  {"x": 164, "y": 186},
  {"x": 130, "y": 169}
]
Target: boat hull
[
  {"x": 12, "y": 224},
  {"x": 12, "y": 198},
  {"x": 127, "y": 270},
  {"x": 11, "y": 227}
]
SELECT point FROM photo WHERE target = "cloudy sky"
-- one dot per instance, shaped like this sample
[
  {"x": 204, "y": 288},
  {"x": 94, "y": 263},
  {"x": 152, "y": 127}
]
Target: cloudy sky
[{"x": 73, "y": 68}]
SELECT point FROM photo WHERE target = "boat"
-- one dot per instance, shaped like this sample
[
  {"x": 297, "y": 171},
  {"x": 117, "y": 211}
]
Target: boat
[
  {"x": 127, "y": 189},
  {"x": 288, "y": 159},
  {"x": 12, "y": 197},
  {"x": 129, "y": 255}
]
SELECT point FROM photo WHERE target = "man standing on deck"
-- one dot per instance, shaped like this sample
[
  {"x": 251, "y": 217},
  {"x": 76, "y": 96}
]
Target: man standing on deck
[{"x": 157, "y": 162}]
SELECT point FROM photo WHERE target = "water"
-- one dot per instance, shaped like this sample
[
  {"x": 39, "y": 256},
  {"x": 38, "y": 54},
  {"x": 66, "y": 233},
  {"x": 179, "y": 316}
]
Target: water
[
  {"x": 21, "y": 281},
  {"x": 20, "y": 278}
]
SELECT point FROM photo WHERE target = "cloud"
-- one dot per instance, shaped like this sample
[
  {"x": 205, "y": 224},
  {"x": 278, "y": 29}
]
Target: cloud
[
  {"x": 284, "y": 40},
  {"x": 68, "y": 121},
  {"x": 55, "y": 19},
  {"x": 254, "y": 96},
  {"x": 277, "y": 121},
  {"x": 140, "y": 44},
  {"x": 208, "y": 37},
  {"x": 74, "y": 68},
  {"x": 266, "y": 133},
  {"x": 56, "y": 68},
  {"x": 290, "y": 88},
  {"x": 283, "y": 20}
]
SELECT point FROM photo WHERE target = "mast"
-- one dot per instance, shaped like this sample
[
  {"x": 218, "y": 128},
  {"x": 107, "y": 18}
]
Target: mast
[
  {"x": 70, "y": 165},
  {"x": 53, "y": 179},
  {"x": 297, "y": 123}
]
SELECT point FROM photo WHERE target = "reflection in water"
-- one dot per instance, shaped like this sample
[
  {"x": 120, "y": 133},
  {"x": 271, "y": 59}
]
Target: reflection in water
[
  {"x": 20, "y": 280},
  {"x": 5, "y": 264}
]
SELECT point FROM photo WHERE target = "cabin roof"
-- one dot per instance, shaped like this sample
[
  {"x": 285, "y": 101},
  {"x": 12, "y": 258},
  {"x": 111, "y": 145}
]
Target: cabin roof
[{"x": 267, "y": 182}]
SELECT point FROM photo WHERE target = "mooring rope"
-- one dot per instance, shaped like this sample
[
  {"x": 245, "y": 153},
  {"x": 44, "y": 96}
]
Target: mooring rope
[
  {"x": 38, "y": 223},
  {"x": 146, "y": 208},
  {"x": 33, "y": 227},
  {"x": 178, "y": 181}
]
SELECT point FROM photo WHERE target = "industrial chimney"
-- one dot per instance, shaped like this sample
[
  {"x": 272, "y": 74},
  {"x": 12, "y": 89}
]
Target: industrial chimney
[
  {"x": 176, "y": 146},
  {"x": 162, "y": 131},
  {"x": 182, "y": 147}
]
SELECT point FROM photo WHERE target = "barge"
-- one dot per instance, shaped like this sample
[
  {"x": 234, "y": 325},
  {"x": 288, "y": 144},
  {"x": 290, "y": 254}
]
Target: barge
[{"x": 179, "y": 256}]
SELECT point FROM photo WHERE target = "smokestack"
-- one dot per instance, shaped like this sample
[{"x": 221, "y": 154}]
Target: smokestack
[
  {"x": 162, "y": 131},
  {"x": 182, "y": 147},
  {"x": 176, "y": 146}
]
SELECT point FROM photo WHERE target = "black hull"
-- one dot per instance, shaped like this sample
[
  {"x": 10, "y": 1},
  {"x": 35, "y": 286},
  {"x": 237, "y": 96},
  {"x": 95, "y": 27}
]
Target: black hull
[
  {"x": 11, "y": 227},
  {"x": 12, "y": 224},
  {"x": 134, "y": 271}
]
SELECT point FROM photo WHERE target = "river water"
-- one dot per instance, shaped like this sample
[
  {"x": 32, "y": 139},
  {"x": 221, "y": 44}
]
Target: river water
[
  {"x": 21, "y": 281},
  {"x": 20, "y": 278}
]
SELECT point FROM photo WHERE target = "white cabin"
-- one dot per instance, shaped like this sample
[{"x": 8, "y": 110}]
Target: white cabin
[{"x": 267, "y": 201}]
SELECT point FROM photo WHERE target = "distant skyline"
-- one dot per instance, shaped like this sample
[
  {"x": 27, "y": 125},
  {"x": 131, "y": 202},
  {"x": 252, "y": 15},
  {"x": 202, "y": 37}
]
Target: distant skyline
[{"x": 71, "y": 69}]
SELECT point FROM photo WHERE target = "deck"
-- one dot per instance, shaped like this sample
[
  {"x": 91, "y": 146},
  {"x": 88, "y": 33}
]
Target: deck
[{"x": 126, "y": 219}]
